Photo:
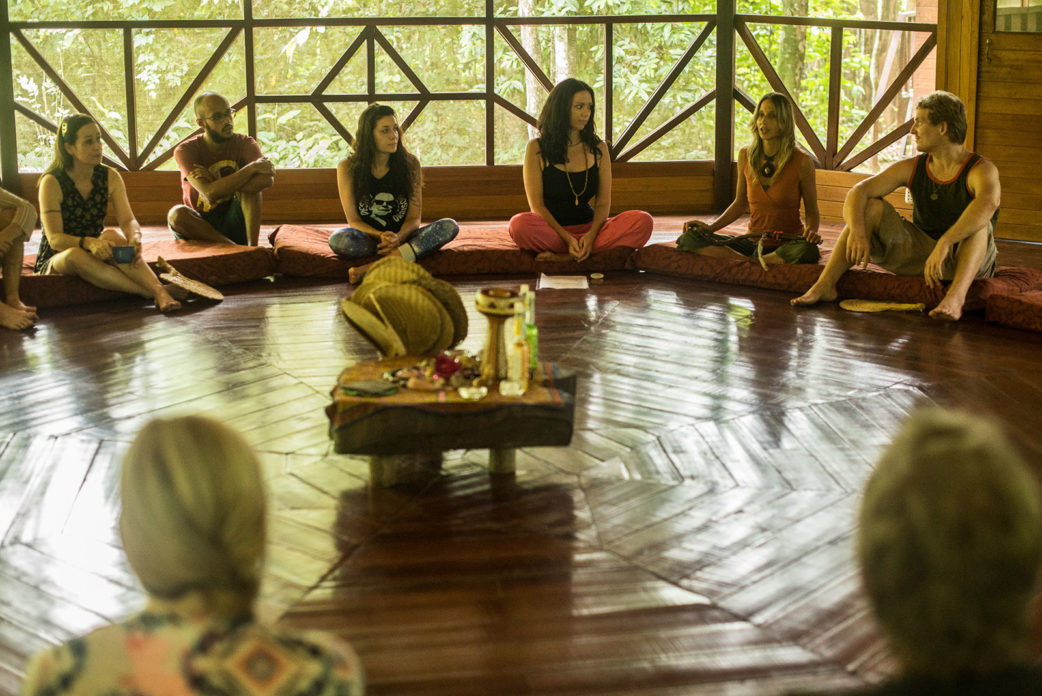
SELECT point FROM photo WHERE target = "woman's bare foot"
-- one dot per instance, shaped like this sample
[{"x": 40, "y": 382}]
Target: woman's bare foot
[
  {"x": 15, "y": 319},
  {"x": 553, "y": 256},
  {"x": 356, "y": 273},
  {"x": 814, "y": 296},
  {"x": 164, "y": 302}
]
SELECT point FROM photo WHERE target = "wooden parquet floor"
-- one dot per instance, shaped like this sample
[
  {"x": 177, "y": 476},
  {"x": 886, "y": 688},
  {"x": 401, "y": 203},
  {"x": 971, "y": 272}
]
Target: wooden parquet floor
[{"x": 695, "y": 538}]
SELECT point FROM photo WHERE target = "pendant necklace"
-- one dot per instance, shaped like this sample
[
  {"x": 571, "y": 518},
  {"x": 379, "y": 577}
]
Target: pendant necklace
[
  {"x": 767, "y": 170},
  {"x": 586, "y": 180}
]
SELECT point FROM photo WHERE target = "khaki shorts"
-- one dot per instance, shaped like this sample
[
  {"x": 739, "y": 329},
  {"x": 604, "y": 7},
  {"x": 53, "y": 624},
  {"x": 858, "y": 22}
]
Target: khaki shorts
[{"x": 902, "y": 248}]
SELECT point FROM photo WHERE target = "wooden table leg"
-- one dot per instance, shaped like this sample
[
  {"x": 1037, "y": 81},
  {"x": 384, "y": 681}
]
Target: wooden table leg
[
  {"x": 502, "y": 461},
  {"x": 403, "y": 469}
]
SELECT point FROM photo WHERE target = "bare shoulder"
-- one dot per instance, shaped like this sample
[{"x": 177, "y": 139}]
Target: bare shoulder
[
  {"x": 602, "y": 147},
  {"x": 50, "y": 188},
  {"x": 807, "y": 165},
  {"x": 115, "y": 180},
  {"x": 343, "y": 169},
  {"x": 743, "y": 156},
  {"x": 984, "y": 167}
]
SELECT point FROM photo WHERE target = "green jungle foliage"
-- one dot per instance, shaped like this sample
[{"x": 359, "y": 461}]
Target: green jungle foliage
[{"x": 291, "y": 62}]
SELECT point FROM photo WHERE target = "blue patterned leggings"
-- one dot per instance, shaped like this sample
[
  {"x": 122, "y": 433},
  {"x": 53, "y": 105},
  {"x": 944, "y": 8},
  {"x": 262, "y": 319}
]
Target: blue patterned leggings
[{"x": 349, "y": 243}]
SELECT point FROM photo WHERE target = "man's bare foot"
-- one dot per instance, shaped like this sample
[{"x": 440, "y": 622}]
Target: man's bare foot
[
  {"x": 15, "y": 319},
  {"x": 947, "y": 310},
  {"x": 814, "y": 296},
  {"x": 553, "y": 256},
  {"x": 164, "y": 302}
]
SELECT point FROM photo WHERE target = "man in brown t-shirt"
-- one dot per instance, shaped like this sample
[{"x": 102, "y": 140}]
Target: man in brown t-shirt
[{"x": 222, "y": 176}]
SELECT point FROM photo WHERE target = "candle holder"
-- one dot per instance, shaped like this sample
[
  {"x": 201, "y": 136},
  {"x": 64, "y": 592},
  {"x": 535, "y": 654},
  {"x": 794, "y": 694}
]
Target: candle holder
[{"x": 497, "y": 304}]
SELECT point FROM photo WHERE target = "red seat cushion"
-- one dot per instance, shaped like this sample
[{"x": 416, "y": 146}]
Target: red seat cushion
[
  {"x": 213, "y": 264},
  {"x": 1022, "y": 311},
  {"x": 869, "y": 284},
  {"x": 480, "y": 248}
]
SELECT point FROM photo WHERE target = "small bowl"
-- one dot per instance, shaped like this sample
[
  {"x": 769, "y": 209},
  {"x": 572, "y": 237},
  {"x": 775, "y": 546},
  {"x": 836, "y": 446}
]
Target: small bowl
[{"x": 123, "y": 254}]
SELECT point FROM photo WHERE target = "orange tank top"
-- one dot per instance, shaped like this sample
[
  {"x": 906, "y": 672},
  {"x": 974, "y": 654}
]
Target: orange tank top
[{"x": 777, "y": 208}]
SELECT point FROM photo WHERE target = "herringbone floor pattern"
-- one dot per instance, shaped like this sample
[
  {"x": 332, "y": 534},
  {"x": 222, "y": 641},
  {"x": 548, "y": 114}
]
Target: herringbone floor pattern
[{"x": 695, "y": 538}]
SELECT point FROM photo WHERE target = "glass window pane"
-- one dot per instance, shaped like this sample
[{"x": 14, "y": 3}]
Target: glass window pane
[
  {"x": 872, "y": 60},
  {"x": 839, "y": 9},
  {"x": 512, "y": 136},
  {"x": 565, "y": 8},
  {"x": 645, "y": 54},
  {"x": 692, "y": 139},
  {"x": 90, "y": 61}
]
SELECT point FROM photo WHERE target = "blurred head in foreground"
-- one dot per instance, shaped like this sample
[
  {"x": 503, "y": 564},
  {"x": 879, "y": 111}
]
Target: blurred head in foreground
[
  {"x": 949, "y": 545},
  {"x": 193, "y": 518}
]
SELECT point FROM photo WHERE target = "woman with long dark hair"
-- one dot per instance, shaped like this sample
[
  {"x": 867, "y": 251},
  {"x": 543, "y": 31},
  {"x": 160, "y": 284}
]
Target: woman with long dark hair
[
  {"x": 773, "y": 176},
  {"x": 75, "y": 192},
  {"x": 380, "y": 190},
  {"x": 566, "y": 168}
]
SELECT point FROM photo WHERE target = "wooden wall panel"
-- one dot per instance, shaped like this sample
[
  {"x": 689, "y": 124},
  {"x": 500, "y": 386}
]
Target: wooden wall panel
[
  {"x": 958, "y": 23},
  {"x": 465, "y": 193},
  {"x": 1009, "y": 112},
  {"x": 478, "y": 193},
  {"x": 832, "y": 190}
]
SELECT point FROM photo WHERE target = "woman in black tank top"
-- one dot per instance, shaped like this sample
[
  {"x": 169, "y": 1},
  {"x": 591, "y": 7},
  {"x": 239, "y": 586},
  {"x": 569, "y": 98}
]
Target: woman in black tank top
[
  {"x": 379, "y": 188},
  {"x": 567, "y": 174}
]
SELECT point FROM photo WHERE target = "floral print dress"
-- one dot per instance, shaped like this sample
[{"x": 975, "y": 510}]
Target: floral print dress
[{"x": 80, "y": 217}]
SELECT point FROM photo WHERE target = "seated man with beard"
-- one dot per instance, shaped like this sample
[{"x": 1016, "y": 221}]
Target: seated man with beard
[{"x": 222, "y": 176}]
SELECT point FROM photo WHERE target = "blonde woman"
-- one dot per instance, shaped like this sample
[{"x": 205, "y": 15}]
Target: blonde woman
[
  {"x": 774, "y": 176},
  {"x": 193, "y": 528}
]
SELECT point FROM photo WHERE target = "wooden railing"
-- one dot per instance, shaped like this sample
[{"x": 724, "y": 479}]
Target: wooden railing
[{"x": 728, "y": 26}]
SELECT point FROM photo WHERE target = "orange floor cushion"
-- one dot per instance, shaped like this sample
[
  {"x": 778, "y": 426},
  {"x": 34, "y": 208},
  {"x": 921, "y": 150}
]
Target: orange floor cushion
[{"x": 480, "y": 248}]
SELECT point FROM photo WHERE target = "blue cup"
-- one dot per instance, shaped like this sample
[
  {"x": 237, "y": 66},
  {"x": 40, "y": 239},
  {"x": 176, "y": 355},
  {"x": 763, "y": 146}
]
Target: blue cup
[{"x": 123, "y": 254}]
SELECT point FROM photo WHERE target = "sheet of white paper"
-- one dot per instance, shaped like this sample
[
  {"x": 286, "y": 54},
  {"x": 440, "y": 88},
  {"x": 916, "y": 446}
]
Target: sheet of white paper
[{"x": 562, "y": 282}]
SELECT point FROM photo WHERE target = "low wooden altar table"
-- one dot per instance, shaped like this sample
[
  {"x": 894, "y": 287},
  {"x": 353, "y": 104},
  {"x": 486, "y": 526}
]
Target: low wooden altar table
[{"x": 399, "y": 428}]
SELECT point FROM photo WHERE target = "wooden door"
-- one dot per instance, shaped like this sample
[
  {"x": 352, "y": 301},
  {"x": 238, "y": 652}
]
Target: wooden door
[{"x": 1008, "y": 119}]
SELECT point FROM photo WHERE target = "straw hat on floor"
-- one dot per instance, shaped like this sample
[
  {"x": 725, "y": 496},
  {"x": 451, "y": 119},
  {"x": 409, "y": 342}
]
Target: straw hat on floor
[{"x": 402, "y": 310}]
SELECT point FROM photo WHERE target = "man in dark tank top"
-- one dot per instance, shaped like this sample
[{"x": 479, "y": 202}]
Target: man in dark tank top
[{"x": 951, "y": 237}]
